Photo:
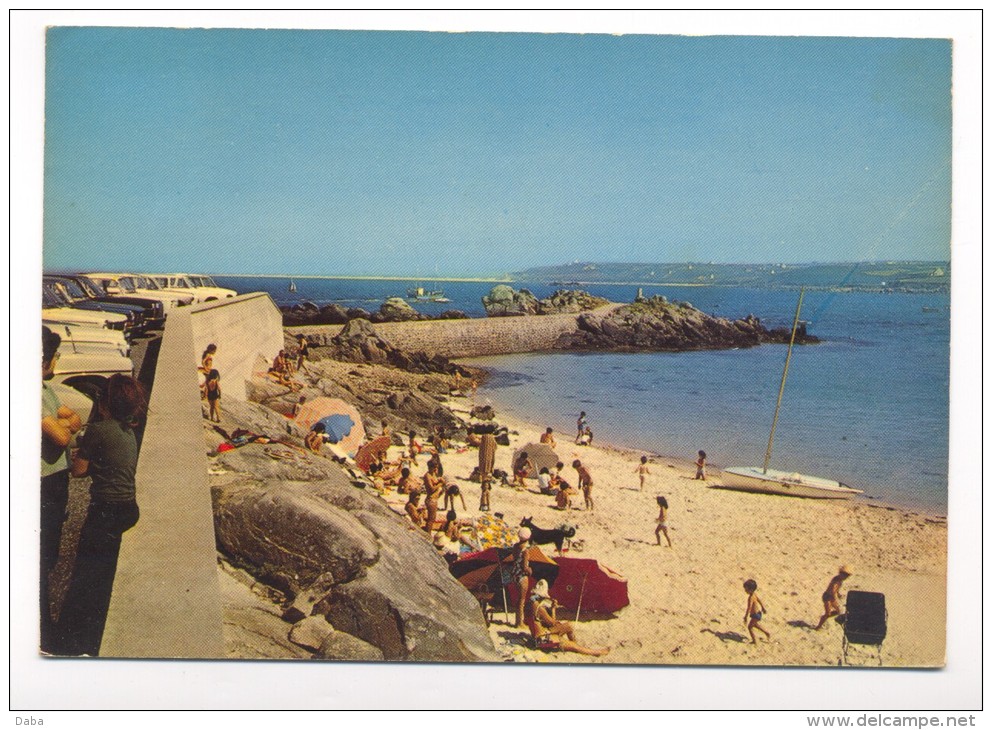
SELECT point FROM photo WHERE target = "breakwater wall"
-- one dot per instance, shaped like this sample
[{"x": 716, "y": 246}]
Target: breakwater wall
[{"x": 454, "y": 338}]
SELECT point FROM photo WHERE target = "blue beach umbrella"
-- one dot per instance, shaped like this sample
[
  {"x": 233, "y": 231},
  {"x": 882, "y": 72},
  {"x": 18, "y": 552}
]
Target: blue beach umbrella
[{"x": 337, "y": 426}]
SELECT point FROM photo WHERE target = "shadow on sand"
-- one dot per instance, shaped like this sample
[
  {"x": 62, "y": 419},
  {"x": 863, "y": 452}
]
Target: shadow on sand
[{"x": 726, "y": 635}]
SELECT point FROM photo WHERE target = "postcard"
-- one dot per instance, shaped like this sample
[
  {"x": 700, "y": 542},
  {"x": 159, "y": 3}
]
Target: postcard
[{"x": 364, "y": 348}]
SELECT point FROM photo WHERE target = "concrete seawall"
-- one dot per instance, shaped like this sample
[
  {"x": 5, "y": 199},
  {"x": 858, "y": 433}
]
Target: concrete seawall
[
  {"x": 455, "y": 338},
  {"x": 247, "y": 331},
  {"x": 166, "y": 599}
]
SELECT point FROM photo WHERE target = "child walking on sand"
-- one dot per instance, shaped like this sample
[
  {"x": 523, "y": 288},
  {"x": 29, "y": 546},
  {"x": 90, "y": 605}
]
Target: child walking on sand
[
  {"x": 831, "y": 596},
  {"x": 662, "y": 521},
  {"x": 585, "y": 483},
  {"x": 212, "y": 388},
  {"x": 754, "y": 611},
  {"x": 701, "y": 466},
  {"x": 642, "y": 471}
]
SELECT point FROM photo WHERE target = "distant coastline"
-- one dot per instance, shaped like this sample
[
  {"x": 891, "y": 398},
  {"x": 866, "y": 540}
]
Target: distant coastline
[
  {"x": 362, "y": 277},
  {"x": 907, "y": 277}
]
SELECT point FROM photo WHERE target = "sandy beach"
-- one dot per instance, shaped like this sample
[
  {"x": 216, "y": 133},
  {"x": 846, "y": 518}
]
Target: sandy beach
[{"x": 687, "y": 602}]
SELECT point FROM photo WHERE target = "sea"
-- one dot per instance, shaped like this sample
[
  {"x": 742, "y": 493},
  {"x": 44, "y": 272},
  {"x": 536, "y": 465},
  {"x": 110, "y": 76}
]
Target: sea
[{"x": 868, "y": 406}]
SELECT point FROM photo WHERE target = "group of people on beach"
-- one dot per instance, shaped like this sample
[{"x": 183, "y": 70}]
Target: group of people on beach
[{"x": 105, "y": 449}]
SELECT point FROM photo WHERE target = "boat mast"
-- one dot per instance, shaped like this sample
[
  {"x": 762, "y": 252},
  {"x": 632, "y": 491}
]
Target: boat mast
[{"x": 781, "y": 388}]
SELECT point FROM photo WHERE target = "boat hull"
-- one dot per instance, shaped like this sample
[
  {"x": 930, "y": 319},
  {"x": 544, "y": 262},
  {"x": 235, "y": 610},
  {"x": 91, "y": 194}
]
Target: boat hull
[{"x": 753, "y": 479}]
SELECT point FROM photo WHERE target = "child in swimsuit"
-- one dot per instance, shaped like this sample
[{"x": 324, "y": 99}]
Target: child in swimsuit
[
  {"x": 212, "y": 388},
  {"x": 701, "y": 466},
  {"x": 642, "y": 471},
  {"x": 754, "y": 611},
  {"x": 662, "y": 521},
  {"x": 831, "y": 596}
]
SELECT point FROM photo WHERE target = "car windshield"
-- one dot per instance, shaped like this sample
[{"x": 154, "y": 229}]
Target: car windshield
[
  {"x": 178, "y": 282},
  {"x": 75, "y": 291},
  {"x": 126, "y": 284},
  {"x": 203, "y": 281},
  {"x": 50, "y": 296},
  {"x": 91, "y": 288}
]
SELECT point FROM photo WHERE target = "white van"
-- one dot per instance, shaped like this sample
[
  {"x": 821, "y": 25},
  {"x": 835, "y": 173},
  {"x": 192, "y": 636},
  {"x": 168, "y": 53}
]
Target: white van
[{"x": 194, "y": 285}]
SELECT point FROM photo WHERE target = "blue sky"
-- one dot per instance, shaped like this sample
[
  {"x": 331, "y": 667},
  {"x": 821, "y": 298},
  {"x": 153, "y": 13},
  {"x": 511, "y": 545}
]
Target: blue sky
[{"x": 412, "y": 153}]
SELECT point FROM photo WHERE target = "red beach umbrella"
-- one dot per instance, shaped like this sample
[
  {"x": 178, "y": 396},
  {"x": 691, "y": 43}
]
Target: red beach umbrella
[
  {"x": 371, "y": 452},
  {"x": 583, "y": 584}
]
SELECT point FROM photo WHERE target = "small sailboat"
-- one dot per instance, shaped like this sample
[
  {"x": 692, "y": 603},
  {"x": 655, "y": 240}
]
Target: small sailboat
[
  {"x": 292, "y": 286},
  {"x": 772, "y": 481}
]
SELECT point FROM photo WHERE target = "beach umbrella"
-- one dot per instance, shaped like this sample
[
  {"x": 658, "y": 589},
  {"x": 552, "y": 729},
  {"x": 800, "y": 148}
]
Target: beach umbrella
[
  {"x": 541, "y": 455},
  {"x": 490, "y": 569},
  {"x": 584, "y": 585},
  {"x": 372, "y": 452},
  {"x": 492, "y": 565},
  {"x": 337, "y": 426},
  {"x": 322, "y": 409}
]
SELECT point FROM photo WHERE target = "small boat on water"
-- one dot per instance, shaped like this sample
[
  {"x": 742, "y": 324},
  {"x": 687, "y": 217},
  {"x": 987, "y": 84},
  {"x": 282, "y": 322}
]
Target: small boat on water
[
  {"x": 292, "y": 286},
  {"x": 771, "y": 481},
  {"x": 419, "y": 294}
]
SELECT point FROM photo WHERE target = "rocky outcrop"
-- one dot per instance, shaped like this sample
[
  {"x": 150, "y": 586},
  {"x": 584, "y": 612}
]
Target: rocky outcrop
[
  {"x": 359, "y": 342},
  {"x": 298, "y": 524},
  {"x": 394, "y": 309},
  {"x": 660, "y": 325},
  {"x": 566, "y": 301},
  {"x": 503, "y": 301}
]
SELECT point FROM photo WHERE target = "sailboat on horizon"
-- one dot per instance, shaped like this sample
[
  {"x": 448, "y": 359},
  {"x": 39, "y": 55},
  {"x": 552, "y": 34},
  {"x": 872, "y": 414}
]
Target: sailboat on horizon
[
  {"x": 292, "y": 286},
  {"x": 772, "y": 481}
]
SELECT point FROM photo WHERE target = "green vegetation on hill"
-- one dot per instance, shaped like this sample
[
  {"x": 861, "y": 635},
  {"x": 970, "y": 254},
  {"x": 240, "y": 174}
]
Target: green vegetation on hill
[{"x": 864, "y": 276}]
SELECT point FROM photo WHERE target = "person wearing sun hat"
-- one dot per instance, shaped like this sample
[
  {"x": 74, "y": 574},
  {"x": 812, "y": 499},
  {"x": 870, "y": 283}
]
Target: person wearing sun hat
[
  {"x": 831, "y": 596},
  {"x": 544, "y": 624}
]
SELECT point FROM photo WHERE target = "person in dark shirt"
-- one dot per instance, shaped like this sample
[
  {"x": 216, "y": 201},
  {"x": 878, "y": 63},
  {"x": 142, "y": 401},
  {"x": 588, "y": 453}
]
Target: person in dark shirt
[{"x": 108, "y": 454}]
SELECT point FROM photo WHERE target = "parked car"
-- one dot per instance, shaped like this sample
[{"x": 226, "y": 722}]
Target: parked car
[
  {"x": 126, "y": 285},
  {"x": 55, "y": 308},
  {"x": 185, "y": 283},
  {"x": 78, "y": 299},
  {"x": 207, "y": 282},
  {"x": 84, "y": 340},
  {"x": 154, "y": 309},
  {"x": 86, "y": 372}
]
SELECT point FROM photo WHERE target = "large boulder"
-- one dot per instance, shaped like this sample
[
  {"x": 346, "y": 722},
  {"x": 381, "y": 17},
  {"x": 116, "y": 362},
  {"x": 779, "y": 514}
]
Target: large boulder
[
  {"x": 387, "y": 585},
  {"x": 344, "y": 647},
  {"x": 503, "y": 301},
  {"x": 396, "y": 309}
]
